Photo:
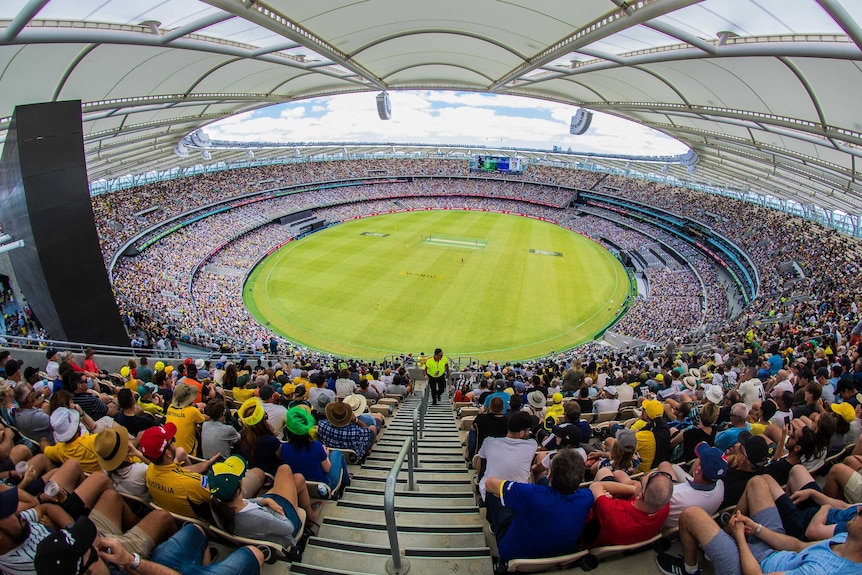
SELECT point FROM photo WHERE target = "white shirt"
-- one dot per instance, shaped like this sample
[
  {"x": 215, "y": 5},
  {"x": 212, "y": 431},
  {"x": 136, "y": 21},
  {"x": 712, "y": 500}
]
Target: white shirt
[
  {"x": 275, "y": 415},
  {"x": 507, "y": 458},
  {"x": 606, "y": 405},
  {"x": 751, "y": 391},
  {"x": 685, "y": 495}
]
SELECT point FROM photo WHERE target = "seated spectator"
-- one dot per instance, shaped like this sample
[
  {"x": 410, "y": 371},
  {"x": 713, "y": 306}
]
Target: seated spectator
[
  {"x": 150, "y": 401},
  {"x": 258, "y": 442},
  {"x": 747, "y": 459},
  {"x": 608, "y": 402},
  {"x": 758, "y": 544},
  {"x": 275, "y": 412},
  {"x": 563, "y": 436},
  {"x": 271, "y": 517},
  {"x": 70, "y": 443},
  {"x": 530, "y": 503},
  {"x": 490, "y": 424},
  {"x": 185, "y": 553},
  {"x": 342, "y": 430},
  {"x": 309, "y": 457},
  {"x": 121, "y": 462},
  {"x": 844, "y": 480},
  {"x": 739, "y": 423},
  {"x": 185, "y": 417},
  {"x": 799, "y": 443},
  {"x": 359, "y": 405},
  {"x": 508, "y": 458},
  {"x": 701, "y": 487},
  {"x": 31, "y": 420},
  {"x": 178, "y": 489},
  {"x": 100, "y": 408},
  {"x": 702, "y": 432},
  {"x": 627, "y": 511},
  {"x": 619, "y": 454},
  {"x": 129, "y": 416},
  {"x": 217, "y": 437},
  {"x": 653, "y": 437}
]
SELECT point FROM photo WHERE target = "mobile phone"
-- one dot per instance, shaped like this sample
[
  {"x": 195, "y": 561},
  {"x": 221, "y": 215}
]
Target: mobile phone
[{"x": 786, "y": 420}]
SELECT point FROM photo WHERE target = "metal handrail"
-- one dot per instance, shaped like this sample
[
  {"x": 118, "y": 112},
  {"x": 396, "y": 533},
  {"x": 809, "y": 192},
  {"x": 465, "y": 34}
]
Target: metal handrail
[
  {"x": 397, "y": 565},
  {"x": 423, "y": 408}
]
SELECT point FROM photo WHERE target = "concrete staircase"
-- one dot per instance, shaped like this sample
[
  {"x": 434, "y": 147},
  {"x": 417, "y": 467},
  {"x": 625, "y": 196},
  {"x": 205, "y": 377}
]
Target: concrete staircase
[{"x": 439, "y": 525}]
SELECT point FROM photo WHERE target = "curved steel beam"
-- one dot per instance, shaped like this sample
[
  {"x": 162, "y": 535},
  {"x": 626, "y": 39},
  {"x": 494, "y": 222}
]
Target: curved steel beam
[
  {"x": 447, "y": 64},
  {"x": 399, "y": 35}
]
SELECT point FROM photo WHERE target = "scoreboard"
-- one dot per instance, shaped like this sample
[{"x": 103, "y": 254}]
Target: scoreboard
[{"x": 503, "y": 164}]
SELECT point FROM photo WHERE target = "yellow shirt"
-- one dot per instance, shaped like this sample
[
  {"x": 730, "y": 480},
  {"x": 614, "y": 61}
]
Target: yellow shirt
[
  {"x": 240, "y": 395},
  {"x": 81, "y": 449},
  {"x": 646, "y": 449},
  {"x": 187, "y": 420},
  {"x": 179, "y": 491},
  {"x": 555, "y": 410},
  {"x": 151, "y": 408}
]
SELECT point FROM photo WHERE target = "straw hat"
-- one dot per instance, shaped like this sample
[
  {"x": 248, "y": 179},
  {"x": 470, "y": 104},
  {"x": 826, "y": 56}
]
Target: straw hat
[
  {"x": 112, "y": 446},
  {"x": 358, "y": 403},
  {"x": 339, "y": 414}
]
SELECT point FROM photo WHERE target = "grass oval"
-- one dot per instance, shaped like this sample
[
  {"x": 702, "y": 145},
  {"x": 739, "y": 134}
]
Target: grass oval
[{"x": 488, "y": 285}]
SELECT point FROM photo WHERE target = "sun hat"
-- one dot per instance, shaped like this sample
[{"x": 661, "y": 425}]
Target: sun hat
[
  {"x": 125, "y": 371},
  {"x": 184, "y": 395},
  {"x": 199, "y": 363},
  {"x": 63, "y": 551},
  {"x": 659, "y": 377},
  {"x": 611, "y": 390},
  {"x": 299, "y": 421},
  {"x": 358, "y": 403},
  {"x": 339, "y": 414},
  {"x": 65, "y": 422},
  {"x": 112, "y": 446},
  {"x": 169, "y": 369},
  {"x": 845, "y": 410},
  {"x": 160, "y": 365},
  {"x": 225, "y": 477},
  {"x": 627, "y": 440},
  {"x": 256, "y": 416},
  {"x": 558, "y": 397},
  {"x": 714, "y": 394},
  {"x": 653, "y": 408},
  {"x": 155, "y": 439},
  {"x": 537, "y": 399},
  {"x": 713, "y": 463},
  {"x": 690, "y": 382},
  {"x": 322, "y": 401}
]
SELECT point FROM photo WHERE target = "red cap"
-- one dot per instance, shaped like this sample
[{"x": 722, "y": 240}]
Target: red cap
[
  {"x": 154, "y": 440},
  {"x": 188, "y": 361}
]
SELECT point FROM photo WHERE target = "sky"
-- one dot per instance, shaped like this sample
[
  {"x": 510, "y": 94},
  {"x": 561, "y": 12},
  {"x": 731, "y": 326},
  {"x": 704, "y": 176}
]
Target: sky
[{"x": 438, "y": 117}]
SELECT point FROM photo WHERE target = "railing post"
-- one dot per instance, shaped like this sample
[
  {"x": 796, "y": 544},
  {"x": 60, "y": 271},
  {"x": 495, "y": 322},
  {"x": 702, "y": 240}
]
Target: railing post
[
  {"x": 397, "y": 565},
  {"x": 415, "y": 449}
]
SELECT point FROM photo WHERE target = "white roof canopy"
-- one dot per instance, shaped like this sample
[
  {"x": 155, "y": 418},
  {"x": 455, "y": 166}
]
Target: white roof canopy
[{"x": 765, "y": 92}]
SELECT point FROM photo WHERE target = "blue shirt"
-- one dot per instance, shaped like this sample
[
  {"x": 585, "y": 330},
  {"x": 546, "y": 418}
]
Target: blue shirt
[
  {"x": 502, "y": 395},
  {"x": 305, "y": 461},
  {"x": 540, "y": 509},
  {"x": 817, "y": 559}
]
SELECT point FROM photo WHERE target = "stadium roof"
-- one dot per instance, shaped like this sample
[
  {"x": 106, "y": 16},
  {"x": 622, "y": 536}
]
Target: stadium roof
[{"x": 764, "y": 91}]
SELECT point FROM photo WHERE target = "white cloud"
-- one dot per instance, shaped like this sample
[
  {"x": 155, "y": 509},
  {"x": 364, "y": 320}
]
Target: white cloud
[{"x": 443, "y": 118}]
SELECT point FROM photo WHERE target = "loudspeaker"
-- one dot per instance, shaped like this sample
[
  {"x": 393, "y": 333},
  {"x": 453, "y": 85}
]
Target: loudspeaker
[
  {"x": 580, "y": 122},
  {"x": 45, "y": 201},
  {"x": 384, "y": 107}
]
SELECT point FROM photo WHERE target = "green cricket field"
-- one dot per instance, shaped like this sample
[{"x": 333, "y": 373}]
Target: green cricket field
[{"x": 488, "y": 285}]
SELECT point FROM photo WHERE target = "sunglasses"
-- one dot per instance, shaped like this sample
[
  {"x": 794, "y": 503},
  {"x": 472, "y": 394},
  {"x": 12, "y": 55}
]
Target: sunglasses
[{"x": 655, "y": 474}]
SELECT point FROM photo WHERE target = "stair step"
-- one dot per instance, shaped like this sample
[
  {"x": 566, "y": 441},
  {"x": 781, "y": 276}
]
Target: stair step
[
  {"x": 452, "y": 495},
  {"x": 428, "y": 460},
  {"x": 422, "y": 486},
  {"x": 340, "y": 562},
  {"x": 377, "y": 535},
  {"x": 430, "y": 468},
  {"x": 362, "y": 512},
  {"x": 404, "y": 503}
]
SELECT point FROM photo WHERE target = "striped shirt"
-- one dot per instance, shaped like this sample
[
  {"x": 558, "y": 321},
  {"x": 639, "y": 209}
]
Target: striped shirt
[{"x": 19, "y": 561}]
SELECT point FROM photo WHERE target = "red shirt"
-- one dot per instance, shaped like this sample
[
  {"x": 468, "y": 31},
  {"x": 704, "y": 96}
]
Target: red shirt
[{"x": 624, "y": 524}]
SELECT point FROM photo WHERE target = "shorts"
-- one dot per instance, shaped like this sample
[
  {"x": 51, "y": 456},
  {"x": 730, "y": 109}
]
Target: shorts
[
  {"x": 135, "y": 540},
  {"x": 74, "y": 506},
  {"x": 724, "y": 553},
  {"x": 289, "y": 512},
  {"x": 184, "y": 551},
  {"x": 797, "y": 518},
  {"x": 853, "y": 489}
]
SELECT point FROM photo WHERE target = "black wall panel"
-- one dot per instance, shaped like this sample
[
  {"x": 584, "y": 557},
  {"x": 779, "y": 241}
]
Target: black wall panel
[{"x": 45, "y": 201}]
